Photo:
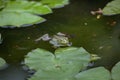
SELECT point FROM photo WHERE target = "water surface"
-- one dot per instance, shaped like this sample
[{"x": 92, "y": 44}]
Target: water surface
[{"x": 95, "y": 35}]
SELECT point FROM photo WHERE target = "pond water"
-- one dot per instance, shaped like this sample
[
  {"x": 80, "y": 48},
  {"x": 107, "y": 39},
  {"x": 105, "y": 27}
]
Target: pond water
[{"x": 97, "y": 36}]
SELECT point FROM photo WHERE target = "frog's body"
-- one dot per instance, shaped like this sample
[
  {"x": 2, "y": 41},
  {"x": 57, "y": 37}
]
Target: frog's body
[{"x": 58, "y": 41}]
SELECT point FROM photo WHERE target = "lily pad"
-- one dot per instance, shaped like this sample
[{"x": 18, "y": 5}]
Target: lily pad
[
  {"x": 18, "y": 13},
  {"x": 15, "y": 12},
  {"x": 1, "y": 4},
  {"x": 2, "y": 62},
  {"x": 112, "y": 8},
  {"x": 27, "y": 7},
  {"x": 65, "y": 73},
  {"x": 75, "y": 55},
  {"x": 99, "y": 73},
  {"x": 55, "y": 3},
  {"x": 63, "y": 65},
  {"x": 18, "y": 19},
  {"x": 116, "y": 72}
]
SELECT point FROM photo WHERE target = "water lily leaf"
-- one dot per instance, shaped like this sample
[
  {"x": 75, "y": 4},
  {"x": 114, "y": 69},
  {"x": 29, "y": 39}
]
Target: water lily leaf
[
  {"x": 18, "y": 19},
  {"x": 76, "y": 55},
  {"x": 18, "y": 13},
  {"x": 99, "y": 73},
  {"x": 1, "y": 4},
  {"x": 112, "y": 8},
  {"x": 53, "y": 73},
  {"x": 63, "y": 55},
  {"x": 2, "y": 62},
  {"x": 39, "y": 58},
  {"x": 27, "y": 6},
  {"x": 63, "y": 65},
  {"x": 55, "y": 3},
  {"x": 116, "y": 72}
]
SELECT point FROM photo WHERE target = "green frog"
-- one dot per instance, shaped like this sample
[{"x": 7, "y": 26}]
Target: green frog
[{"x": 59, "y": 40}]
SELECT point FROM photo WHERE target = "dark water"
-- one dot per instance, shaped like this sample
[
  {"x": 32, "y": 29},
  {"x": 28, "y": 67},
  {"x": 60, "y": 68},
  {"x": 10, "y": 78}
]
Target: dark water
[{"x": 95, "y": 35}]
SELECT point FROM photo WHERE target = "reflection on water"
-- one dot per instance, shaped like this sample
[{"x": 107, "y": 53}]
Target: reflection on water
[
  {"x": 95, "y": 35},
  {"x": 13, "y": 73}
]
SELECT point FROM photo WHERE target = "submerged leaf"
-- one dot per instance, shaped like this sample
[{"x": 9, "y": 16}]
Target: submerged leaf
[
  {"x": 99, "y": 73},
  {"x": 63, "y": 65},
  {"x": 55, "y": 3},
  {"x": 112, "y": 8},
  {"x": 116, "y": 72}
]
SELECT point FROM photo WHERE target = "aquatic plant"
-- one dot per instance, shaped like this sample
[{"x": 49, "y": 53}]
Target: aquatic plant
[
  {"x": 2, "y": 62},
  {"x": 112, "y": 8},
  {"x": 19, "y": 13},
  {"x": 64, "y": 64},
  {"x": 67, "y": 64}
]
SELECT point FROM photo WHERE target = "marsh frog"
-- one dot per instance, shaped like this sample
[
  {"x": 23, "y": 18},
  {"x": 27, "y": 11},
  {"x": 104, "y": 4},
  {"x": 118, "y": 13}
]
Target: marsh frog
[
  {"x": 59, "y": 40},
  {"x": 56, "y": 40}
]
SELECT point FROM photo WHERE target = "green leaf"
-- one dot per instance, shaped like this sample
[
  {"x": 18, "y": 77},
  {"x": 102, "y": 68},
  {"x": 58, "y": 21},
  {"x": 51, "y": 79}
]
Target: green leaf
[
  {"x": 9, "y": 15},
  {"x": 67, "y": 73},
  {"x": 99, "y": 73},
  {"x": 18, "y": 19},
  {"x": 112, "y": 8},
  {"x": 116, "y": 72},
  {"x": 77, "y": 55},
  {"x": 18, "y": 13},
  {"x": 55, "y": 3},
  {"x": 63, "y": 65},
  {"x": 27, "y": 7},
  {"x": 2, "y": 62},
  {"x": 38, "y": 59},
  {"x": 1, "y": 4}
]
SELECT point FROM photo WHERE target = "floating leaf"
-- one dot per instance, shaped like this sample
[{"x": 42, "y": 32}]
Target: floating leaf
[
  {"x": 63, "y": 65},
  {"x": 1, "y": 4},
  {"x": 99, "y": 73},
  {"x": 9, "y": 14},
  {"x": 18, "y": 13},
  {"x": 76, "y": 55},
  {"x": 27, "y": 7},
  {"x": 112, "y": 8},
  {"x": 2, "y": 62},
  {"x": 53, "y": 73},
  {"x": 55, "y": 3},
  {"x": 18, "y": 19},
  {"x": 116, "y": 72}
]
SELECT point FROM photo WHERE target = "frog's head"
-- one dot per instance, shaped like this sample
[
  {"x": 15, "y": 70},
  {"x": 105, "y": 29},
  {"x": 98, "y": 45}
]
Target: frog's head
[{"x": 63, "y": 40}]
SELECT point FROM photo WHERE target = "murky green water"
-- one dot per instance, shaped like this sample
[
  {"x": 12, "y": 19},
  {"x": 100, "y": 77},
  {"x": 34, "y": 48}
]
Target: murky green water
[{"x": 95, "y": 35}]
